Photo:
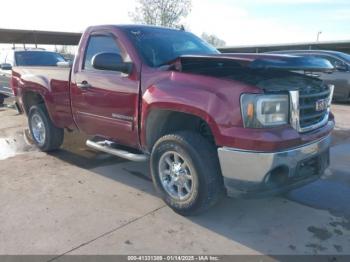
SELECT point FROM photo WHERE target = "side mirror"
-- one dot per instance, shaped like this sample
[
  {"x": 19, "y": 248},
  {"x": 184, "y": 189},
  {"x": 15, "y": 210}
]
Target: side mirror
[
  {"x": 111, "y": 62},
  {"x": 6, "y": 66}
]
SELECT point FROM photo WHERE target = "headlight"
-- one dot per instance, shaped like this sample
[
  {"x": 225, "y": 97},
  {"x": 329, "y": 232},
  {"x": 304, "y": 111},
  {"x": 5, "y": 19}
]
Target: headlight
[{"x": 261, "y": 110}]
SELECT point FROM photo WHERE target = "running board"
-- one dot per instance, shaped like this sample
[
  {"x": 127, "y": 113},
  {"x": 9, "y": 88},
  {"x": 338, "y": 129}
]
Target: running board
[{"x": 107, "y": 147}]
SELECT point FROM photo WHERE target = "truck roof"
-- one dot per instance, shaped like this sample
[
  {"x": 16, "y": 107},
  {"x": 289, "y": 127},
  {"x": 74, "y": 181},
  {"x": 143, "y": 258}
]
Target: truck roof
[{"x": 134, "y": 27}]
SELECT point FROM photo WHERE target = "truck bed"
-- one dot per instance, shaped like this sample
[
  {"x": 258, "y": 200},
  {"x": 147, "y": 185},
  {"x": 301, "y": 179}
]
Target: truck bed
[
  {"x": 49, "y": 72},
  {"x": 52, "y": 83}
]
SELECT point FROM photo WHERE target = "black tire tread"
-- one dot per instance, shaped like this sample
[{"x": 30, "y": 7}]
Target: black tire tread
[
  {"x": 54, "y": 135},
  {"x": 205, "y": 156}
]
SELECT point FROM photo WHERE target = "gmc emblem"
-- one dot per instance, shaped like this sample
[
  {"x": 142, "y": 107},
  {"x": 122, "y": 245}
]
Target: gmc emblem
[{"x": 321, "y": 104}]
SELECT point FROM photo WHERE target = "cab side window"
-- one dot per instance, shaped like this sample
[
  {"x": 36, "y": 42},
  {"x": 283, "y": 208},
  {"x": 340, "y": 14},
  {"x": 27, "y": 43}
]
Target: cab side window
[{"x": 98, "y": 44}]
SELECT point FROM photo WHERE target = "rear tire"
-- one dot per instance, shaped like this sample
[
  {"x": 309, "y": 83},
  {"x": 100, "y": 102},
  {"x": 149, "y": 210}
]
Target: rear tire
[
  {"x": 186, "y": 172},
  {"x": 45, "y": 134}
]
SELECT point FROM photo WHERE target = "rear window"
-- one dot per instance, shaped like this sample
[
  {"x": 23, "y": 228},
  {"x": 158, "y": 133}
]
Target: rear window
[{"x": 37, "y": 58}]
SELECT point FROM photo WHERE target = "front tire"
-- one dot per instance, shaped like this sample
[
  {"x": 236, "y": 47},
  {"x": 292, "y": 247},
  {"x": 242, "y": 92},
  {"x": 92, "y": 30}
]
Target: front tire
[
  {"x": 186, "y": 171},
  {"x": 45, "y": 134}
]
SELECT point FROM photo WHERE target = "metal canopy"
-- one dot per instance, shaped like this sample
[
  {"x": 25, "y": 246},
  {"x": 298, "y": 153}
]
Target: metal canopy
[{"x": 15, "y": 36}]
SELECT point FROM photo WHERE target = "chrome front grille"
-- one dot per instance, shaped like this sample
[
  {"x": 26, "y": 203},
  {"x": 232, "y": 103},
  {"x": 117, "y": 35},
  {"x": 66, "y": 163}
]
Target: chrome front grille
[
  {"x": 310, "y": 107},
  {"x": 307, "y": 100}
]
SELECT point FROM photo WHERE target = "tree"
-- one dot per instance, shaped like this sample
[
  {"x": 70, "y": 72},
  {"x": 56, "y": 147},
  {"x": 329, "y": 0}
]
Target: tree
[
  {"x": 213, "y": 40},
  {"x": 166, "y": 13}
]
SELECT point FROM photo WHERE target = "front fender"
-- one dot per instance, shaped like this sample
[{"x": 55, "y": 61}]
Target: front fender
[{"x": 215, "y": 101}]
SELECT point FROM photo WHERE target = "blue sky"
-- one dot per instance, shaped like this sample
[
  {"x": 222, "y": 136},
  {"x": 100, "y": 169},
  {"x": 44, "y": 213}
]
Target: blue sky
[{"x": 238, "y": 22}]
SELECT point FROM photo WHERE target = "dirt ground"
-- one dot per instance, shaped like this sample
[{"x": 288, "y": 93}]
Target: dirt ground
[{"x": 78, "y": 201}]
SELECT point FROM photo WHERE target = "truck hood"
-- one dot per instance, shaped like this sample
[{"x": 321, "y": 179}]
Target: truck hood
[
  {"x": 268, "y": 72},
  {"x": 261, "y": 61}
]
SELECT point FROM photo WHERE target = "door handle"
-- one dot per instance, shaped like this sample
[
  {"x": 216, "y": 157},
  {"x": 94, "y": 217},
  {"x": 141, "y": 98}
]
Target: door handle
[{"x": 83, "y": 85}]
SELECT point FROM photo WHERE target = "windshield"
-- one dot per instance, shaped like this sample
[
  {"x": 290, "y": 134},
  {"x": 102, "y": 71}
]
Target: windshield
[
  {"x": 158, "y": 46},
  {"x": 37, "y": 58}
]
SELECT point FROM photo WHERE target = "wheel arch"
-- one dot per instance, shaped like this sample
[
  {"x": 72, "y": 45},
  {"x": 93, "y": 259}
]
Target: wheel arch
[
  {"x": 31, "y": 98},
  {"x": 162, "y": 121}
]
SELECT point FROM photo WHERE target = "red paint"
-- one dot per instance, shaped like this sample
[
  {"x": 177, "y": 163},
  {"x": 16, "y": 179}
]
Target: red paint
[{"x": 217, "y": 101}]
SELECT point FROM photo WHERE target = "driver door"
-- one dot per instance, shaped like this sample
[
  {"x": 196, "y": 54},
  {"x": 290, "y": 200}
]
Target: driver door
[{"x": 105, "y": 103}]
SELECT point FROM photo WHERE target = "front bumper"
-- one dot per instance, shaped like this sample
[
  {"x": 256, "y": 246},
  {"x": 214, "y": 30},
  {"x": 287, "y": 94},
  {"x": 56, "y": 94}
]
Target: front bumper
[{"x": 250, "y": 174}]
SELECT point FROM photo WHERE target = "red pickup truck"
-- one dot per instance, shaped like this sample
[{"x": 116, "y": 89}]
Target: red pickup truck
[{"x": 210, "y": 123}]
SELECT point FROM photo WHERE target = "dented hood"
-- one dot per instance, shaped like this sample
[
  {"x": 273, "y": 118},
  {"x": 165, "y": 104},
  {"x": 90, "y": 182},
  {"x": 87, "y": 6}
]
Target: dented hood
[{"x": 260, "y": 61}]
